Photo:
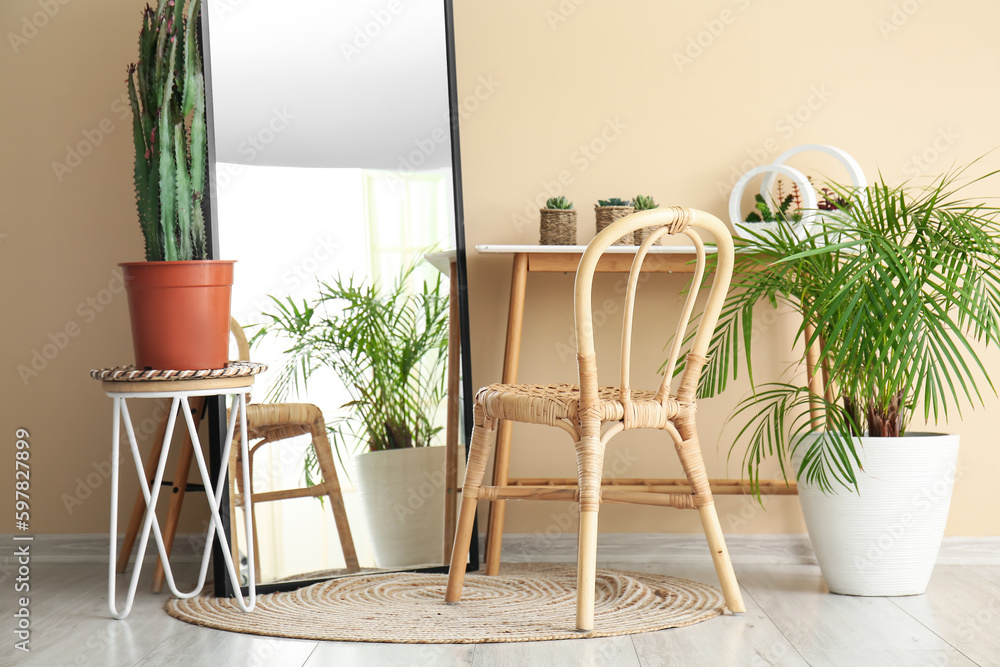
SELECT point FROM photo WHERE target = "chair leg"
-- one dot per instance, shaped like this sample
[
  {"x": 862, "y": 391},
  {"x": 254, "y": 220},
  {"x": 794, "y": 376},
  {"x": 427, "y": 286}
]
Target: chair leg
[
  {"x": 720, "y": 557},
  {"x": 498, "y": 508},
  {"x": 482, "y": 441},
  {"x": 689, "y": 452},
  {"x": 248, "y": 504},
  {"x": 590, "y": 469},
  {"x": 331, "y": 484}
]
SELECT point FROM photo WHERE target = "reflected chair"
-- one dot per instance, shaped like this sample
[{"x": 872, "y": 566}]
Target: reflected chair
[
  {"x": 582, "y": 411},
  {"x": 269, "y": 423}
]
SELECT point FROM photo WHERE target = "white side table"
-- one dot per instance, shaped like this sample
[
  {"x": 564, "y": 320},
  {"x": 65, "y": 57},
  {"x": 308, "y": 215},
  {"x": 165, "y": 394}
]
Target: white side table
[{"x": 122, "y": 385}]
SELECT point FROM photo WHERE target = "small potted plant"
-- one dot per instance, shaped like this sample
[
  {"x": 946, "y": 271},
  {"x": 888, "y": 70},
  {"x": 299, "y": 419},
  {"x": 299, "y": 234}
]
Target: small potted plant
[
  {"x": 890, "y": 314},
  {"x": 643, "y": 203},
  {"x": 782, "y": 213},
  {"x": 178, "y": 300},
  {"x": 787, "y": 209},
  {"x": 558, "y": 225},
  {"x": 609, "y": 210}
]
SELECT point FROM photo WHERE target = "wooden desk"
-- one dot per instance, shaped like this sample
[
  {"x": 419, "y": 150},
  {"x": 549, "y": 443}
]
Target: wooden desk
[{"x": 565, "y": 259}]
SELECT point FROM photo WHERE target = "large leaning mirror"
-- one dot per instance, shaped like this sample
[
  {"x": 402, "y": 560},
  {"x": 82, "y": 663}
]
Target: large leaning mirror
[{"x": 337, "y": 190}]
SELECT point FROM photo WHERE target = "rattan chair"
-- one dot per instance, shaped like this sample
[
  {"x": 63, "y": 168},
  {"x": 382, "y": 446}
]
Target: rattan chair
[
  {"x": 270, "y": 423},
  {"x": 582, "y": 411}
]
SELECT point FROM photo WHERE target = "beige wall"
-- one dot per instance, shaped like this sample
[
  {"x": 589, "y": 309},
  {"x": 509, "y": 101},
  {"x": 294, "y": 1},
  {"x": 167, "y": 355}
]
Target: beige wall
[
  {"x": 542, "y": 83},
  {"x": 769, "y": 76},
  {"x": 66, "y": 228}
]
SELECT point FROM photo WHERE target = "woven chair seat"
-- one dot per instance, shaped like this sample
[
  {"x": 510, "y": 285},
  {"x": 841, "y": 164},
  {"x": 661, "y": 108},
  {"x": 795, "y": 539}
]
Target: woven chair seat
[
  {"x": 548, "y": 403},
  {"x": 277, "y": 421}
]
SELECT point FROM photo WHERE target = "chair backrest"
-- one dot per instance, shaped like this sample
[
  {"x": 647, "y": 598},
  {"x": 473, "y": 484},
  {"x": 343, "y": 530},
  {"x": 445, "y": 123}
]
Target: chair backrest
[
  {"x": 669, "y": 221},
  {"x": 242, "y": 346}
]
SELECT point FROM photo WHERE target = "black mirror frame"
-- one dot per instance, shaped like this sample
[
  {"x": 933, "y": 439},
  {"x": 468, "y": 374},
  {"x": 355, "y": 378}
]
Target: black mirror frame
[{"x": 216, "y": 405}]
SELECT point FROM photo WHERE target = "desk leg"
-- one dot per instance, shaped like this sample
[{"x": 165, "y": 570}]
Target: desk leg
[
  {"x": 814, "y": 379},
  {"x": 512, "y": 354}
]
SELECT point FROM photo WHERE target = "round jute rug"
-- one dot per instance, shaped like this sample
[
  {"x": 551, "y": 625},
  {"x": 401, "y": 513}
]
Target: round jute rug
[{"x": 524, "y": 603}]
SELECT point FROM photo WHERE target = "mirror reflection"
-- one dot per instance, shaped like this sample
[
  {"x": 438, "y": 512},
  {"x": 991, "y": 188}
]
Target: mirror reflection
[{"x": 334, "y": 193}]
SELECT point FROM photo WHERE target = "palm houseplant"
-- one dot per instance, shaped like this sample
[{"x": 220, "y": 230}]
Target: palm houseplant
[
  {"x": 178, "y": 300},
  {"x": 389, "y": 349},
  {"x": 897, "y": 288}
]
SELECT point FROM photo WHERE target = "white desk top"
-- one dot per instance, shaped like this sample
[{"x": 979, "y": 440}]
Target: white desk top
[
  {"x": 579, "y": 249},
  {"x": 442, "y": 259}
]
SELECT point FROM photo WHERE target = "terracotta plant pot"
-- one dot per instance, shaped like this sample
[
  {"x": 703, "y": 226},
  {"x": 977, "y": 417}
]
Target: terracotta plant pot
[{"x": 179, "y": 313}]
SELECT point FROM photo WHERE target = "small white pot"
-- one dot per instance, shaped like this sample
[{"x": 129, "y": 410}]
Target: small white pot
[
  {"x": 884, "y": 539},
  {"x": 402, "y": 492}
]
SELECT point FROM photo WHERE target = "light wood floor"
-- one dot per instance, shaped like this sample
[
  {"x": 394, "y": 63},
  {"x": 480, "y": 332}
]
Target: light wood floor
[{"x": 791, "y": 620}]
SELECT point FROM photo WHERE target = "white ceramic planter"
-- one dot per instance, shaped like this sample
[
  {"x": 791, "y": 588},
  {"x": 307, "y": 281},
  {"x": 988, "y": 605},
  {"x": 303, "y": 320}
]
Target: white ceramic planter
[
  {"x": 808, "y": 192},
  {"x": 402, "y": 493},
  {"x": 885, "y": 539},
  {"x": 810, "y": 197}
]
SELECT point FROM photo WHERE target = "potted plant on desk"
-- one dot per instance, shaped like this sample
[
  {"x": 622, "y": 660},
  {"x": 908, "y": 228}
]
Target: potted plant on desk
[
  {"x": 609, "y": 210},
  {"x": 894, "y": 287},
  {"x": 390, "y": 349},
  {"x": 644, "y": 203},
  {"x": 178, "y": 300},
  {"x": 558, "y": 222}
]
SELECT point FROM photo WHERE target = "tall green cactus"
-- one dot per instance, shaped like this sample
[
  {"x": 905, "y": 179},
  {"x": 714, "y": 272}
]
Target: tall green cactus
[{"x": 167, "y": 92}]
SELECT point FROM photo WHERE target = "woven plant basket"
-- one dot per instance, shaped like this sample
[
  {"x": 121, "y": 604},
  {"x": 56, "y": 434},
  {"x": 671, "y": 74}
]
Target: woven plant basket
[
  {"x": 639, "y": 235},
  {"x": 558, "y": 226},
  {"x": 608, "y": 214}
]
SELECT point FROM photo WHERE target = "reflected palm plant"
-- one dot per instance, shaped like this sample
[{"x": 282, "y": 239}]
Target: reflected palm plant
[
  {"x": 894, "y": 288},
  {"x": 389, "y": 348}
]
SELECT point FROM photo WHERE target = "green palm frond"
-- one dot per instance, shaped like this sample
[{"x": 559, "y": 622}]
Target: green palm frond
[
  {"x": 900, "y": 287},
  {"x": 388, "y": 347}
]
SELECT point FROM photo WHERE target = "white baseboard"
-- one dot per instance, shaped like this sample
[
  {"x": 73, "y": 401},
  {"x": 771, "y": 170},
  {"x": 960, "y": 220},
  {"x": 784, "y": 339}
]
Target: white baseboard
[
  {"x": 93, "y": 548},
  {"x": 743, "y": 549},
  {"x": 540, "y": 548}
]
